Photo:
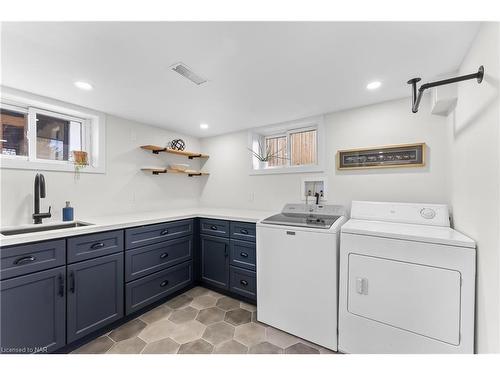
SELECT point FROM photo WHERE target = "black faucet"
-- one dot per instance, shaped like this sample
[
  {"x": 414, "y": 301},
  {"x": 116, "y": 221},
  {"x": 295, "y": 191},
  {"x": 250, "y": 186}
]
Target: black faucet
[
  {"x": 317, "y": 198},
  {"x": 39, "y": 193}
]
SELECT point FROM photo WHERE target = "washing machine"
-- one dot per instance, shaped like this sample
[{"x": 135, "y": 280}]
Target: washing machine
[
  {"x": 297, "y": 271},
  {"x": 407, "y": 281}
]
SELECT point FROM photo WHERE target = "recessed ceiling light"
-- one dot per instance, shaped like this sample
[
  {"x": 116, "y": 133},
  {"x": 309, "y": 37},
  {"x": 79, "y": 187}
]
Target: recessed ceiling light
[
  {"x": 373, "y": 85},
  {"x": 83, "y": 85},
  {"x": 203, "y": 126}
]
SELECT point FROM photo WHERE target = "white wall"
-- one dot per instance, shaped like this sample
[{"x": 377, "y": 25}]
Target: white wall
[
  {"x": 124, "y": 187},
  {"x": 230, "y": 185},
  {"x": 475, "y": 178}
]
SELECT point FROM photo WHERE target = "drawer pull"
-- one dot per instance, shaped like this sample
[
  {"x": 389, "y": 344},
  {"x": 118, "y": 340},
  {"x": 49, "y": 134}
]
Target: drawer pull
[
  {"x": 244, "y": 255},
  {"x": 213, "y": 227},
  {"x": 25, "y": 260},
  {"x": 97, "y": 245},
  {"x": 164, "y": 255},
  {"x": 243, "y": 231},
  {"x": 244, "y": 282},
  {"x": 164, "y": 283},
  {"x": 164, "y": 232}
]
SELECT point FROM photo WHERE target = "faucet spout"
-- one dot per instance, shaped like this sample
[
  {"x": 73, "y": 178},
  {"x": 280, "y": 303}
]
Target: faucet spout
[{"x": 39, "y": 192}]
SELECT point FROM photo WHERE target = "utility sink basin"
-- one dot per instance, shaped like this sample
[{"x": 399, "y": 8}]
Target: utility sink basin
[{"x": 43, "y": 228}]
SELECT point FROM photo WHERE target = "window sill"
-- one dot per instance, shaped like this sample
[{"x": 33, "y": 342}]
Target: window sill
[
  {"x": 302, "y": 169},
  {"x": 9, "y": 162}
]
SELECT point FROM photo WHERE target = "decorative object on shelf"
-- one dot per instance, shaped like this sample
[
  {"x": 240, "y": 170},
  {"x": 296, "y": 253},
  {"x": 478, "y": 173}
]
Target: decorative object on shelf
[
  {"x": 415, "y": 102},
  {"x": 404, "y": 155},
  {"x": 80, "y": 159},
  {"x": 177, "y": 144},
  {"x": 179, "y": 167},
  {"x": 265, "y": 154}
]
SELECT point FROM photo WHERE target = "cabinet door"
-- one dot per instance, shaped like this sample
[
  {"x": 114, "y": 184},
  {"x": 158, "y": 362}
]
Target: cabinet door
[
  {"x": 33, "y": 312},
  {"x": 215, "y": 261},
  {"x": 95, "y": 294}
]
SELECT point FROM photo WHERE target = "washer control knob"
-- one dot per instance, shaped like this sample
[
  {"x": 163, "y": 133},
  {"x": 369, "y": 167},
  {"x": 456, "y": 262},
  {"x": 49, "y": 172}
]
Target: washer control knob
[{"x": 427, "y": 213}]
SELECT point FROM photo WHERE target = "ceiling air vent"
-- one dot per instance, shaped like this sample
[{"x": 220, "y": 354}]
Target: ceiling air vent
[{"x": 184, "y": 71}]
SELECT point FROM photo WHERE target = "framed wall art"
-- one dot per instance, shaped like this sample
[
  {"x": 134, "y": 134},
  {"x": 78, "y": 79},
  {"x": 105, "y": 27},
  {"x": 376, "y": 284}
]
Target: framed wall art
[{"x": 392, "y": 156}]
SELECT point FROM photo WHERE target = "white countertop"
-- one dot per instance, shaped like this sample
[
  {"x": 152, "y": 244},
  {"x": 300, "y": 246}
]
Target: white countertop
[{"x": 112, "y": 222}]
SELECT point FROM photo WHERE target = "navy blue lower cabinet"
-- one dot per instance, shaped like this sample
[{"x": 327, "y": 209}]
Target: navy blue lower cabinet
[
  {"x": 148, "y": 289},
  {"x": 243, "y": 282},
  {"x": 145, "y": 260},
  {"x": 215, "y": 261},
  {"x": 243, "y": 254},
  {"x": 33, "y": 312},
  {"x": 95, "y": 295}
]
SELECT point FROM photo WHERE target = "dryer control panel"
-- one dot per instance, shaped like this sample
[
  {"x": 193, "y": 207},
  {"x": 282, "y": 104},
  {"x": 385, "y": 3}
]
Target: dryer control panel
[{"x": 410, "y": 213}]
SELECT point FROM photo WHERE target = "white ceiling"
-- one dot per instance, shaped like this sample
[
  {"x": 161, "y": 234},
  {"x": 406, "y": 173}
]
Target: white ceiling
[{"x": 259, "y": 73}]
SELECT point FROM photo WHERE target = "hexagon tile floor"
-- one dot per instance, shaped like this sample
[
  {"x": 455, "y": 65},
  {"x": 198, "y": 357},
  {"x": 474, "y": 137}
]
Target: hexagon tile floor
[{"x": 199, "y": 321}]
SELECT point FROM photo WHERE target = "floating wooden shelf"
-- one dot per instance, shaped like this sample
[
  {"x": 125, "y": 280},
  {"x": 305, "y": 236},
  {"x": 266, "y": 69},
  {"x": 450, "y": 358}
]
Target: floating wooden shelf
[
  {"x": 190, "y": 173},
  {"x": 158, "y": 149}
]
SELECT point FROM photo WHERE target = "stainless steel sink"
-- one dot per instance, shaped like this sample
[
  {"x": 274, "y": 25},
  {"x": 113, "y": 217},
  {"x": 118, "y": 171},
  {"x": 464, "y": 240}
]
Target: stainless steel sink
[{"x": 43, "y": 228}]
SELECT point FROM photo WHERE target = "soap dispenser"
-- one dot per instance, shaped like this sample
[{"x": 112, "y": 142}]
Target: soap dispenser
[{"x": 67, "y": 212}]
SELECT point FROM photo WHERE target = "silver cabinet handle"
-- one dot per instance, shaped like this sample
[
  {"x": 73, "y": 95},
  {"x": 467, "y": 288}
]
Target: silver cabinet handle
[
  {"x": 97, "y": 245},
  {"x": 24, "y": 260},
  {"x": 164, "y": 283}
]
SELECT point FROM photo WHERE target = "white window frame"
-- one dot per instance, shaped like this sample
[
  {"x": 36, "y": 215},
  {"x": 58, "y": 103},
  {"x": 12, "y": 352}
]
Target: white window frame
[
  {"x": 264, "y": 138},
  {"x": 286, "y": 129},
  {"x": 93, "y": 141}
]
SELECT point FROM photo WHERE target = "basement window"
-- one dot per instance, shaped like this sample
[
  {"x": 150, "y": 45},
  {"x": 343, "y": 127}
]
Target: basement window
[
  {"x": 58, "y": 136},
  {"x": 42, "y": 136},
  {"x": 290, "y": 147},
  {"x": 13, "y": 132}
]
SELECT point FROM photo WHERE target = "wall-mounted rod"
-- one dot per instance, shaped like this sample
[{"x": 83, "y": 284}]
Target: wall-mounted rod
[{"x": 416, "y": 97}]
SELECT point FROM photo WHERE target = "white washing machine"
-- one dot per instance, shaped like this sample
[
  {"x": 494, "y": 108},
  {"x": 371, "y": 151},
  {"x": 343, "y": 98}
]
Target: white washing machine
[
  {"x": 407, "y": 281},
  {"x": 297, "y": 271}
]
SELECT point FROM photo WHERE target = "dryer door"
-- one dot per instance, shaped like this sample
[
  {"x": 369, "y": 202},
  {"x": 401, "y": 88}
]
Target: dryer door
[{"x": 420, "y": 299}]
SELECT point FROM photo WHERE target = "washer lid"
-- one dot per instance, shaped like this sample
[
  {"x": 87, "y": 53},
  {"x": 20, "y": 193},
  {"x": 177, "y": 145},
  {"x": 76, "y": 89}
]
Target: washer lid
[
  {"x": 411, "y": 232},
  {"x": 302, "y": 220}
]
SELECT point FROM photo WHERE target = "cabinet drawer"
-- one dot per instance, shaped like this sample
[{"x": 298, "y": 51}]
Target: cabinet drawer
[
  {"x": 243, "y": 282},
  {"x": 94, "y": 245},
  {"x": 243, "y": 231},
  {"x": 150, "y": 234},
  {"x": 214, "y": 227},
  {"x": 149, "y": 259},
  {"x": 242, "y": 254},
  {"x": 144, "y": 291},
  {"x": 24, "y": 259}
]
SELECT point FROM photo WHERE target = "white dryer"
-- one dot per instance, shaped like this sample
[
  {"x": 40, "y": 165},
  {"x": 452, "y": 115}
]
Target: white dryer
[{"x": 407, "y": 281}]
